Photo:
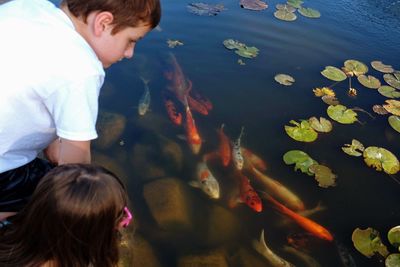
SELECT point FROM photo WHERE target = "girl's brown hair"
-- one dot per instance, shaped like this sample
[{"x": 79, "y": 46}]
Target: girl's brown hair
[
  {"x": 70, "y": 221},
  {"x": 127, "y": 13}
]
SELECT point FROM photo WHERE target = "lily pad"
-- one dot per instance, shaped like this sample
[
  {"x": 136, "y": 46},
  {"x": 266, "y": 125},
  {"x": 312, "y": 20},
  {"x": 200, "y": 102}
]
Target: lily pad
[
  {"x": 285, "y": 15},
  {"x": 379, "y": 109},
  {"x": 330, "y": 100},
  {"x": 233, "y": 44},
  {"x": 394, "y": 121},
  {"x": 369, "y": 81},
  {"x": 354, "y": 68},
  {"x": 301, "y": 131},
  {"x": 247, "y": 51},
  {"x": 309, "y": 12},
  {"x": 324, "y": 91},
  {"x": 388, "y": 91},
  {"x": 379, "y": 66},
  {"x": 286, "y": 7},
  {"x": 368, "y": 242},
  {"x": 301, "y": 160},
  {"x": 284, "y": 79},
  {"x": 295, "y": 3},
  {"x": 334, "y": 74},
  {"x": 324, "y": 176},
  {"x": 342, "y": 114},
  {"x": 394, "y": 236},
  {"x": 322, "y": 125},
  {"x": 393, "y": 260},
  {"x": 253, "y": 4},
  {"x": 380, "y": 158},
  {"x": 393, "y": 79},
  {"x": 173, "y": 43},
  {"x": 392, "y": 106},
  {"x": 203, "y": 9},
  {"x": 355, "y": 149}
]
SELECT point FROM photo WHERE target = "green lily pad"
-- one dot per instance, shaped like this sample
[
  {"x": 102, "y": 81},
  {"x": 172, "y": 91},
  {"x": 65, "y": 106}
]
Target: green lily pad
[
  {"x": 301, "y": 160},
  {"x": 301, "y": 131},
  {"x": 295, "y": 3},
  {"x": 324, "y": 176},
  {"x": 309, "y": 12},
  {"x": 394, "y": 121},
  {"x": 322, "y": 125},
  {"x": 330, "y": 100},
  {"x": 380, "y": 158},
  {"x": 285, "y": 15},
  {"x": 392, "y": 106},
  {"x": 354, "y": 68},
  {"x": 379, "y": 109},
  {"x": 368, "y": 242},
  {"x": 379, "y": 66},
  {"x": 393, "y": 260},
  {"x": 247, "y": 51},
  {"x": 394, "y": 236},
  {"x": 341, "y": 114},
  {"x": 286, "y": 7},
  {"x": 334, "y": 74},
  {"x": 284, "y": 79},
  {"x": 388, "y": 91},
  {"x": 369, "y": 81},
  {"x": 393, "y": 79},
  {"x": 233, "y": 44},
  {"x": 355, "y": 149}
]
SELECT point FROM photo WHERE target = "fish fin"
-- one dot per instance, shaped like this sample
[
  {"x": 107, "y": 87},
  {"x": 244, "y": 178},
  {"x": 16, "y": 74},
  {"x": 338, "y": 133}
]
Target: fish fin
[
  {"x": 181, "y": 137},
  {"x": 258, "y": 245},
  {"x": 194, "y": 184},
  {"x": 145, "y": 81}
]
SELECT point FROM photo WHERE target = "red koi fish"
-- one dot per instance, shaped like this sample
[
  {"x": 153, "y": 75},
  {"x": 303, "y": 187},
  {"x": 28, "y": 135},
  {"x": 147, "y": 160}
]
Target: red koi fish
[
  {"x": 197, "y": 106},
  {"x": 248, "y": 195},
  {"x": 307, "y": 224},
  {"x": 179, "y": 84},
  {"x": 173, "y": 114},
  {"x": 203, "y": 100},
  {"x": 255, "y": 160},
  {"x": 192, "y": 135},
  {"x": 224, "y": 149}
]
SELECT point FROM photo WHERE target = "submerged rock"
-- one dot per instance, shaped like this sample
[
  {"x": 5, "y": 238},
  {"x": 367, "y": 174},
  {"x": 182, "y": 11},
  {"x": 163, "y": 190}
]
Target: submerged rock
[
  {"x": 146, "y": 162},
  {"x": 245, "y": 257},
  {"x": 214, "y": 258},
  {"x": 110, "y": 164},
  {"x": 110, "y": 127}
]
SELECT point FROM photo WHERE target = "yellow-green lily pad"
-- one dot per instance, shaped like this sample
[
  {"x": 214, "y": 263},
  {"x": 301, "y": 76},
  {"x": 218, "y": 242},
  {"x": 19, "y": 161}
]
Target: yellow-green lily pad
[
  {"x": 322, "y": 125},
  {"x": 355, "y": 149},
  {"x": 286, "y": 7},
  {"x": 309, "y": 12},
  {"x": 392, "y": 106},
  {"x": 334, "y": 74},
  {"x": 369, "y": 81},
  {"x": 301, "y": 131},
  {"x": 285, "y": 15},
  {"x": 330, "y": 100},
  {"x": 323, "y": 91},
  {"x": 388, "y": 91},
  {"x": 368, "y": 242},
  {"x": 394, "y": 121},
  {"x": 324, "y": 176},
  {"x": 379, "y": 109},
  {"x": 295, "y": 3},
  {"x": 247, "y": 51},
  {"x": 173, "y": 43},
  {"x": 354, "y": 68},
  {"x": 381, "y": 159},
  {"x": 301, "y": 160},
  {"x": 342, "y": 114},
  {"x": 393, "y": 260},
  {"x": 233, "y": 44},
  {"x": 393, "y": 79},
  {"x": 394, "y": 236},
  {"x": 284, "y": 79},
  {"x": 379, "y": 66}
]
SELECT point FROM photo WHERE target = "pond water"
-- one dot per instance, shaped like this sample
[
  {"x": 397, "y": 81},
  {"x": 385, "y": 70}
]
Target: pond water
[{"x": 248, "y": 96}]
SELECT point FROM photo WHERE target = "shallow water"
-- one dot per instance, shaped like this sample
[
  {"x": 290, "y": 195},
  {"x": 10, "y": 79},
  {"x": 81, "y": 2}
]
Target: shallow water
[{"x": 248, "y": 96}]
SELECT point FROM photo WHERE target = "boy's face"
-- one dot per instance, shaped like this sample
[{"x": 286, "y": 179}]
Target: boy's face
[{"x": 112, "y": 48}]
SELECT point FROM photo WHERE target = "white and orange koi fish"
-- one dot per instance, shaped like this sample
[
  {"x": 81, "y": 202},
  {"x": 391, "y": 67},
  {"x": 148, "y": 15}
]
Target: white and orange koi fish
[
  {"x": 206, "y": 181},
  {"x": 192, "y": 136},
  {"x": 237, "y": 156}
]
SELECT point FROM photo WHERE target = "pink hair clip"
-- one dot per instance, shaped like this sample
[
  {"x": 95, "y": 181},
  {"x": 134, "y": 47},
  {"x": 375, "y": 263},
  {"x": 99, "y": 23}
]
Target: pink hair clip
[{"x": 127, "y": 218}]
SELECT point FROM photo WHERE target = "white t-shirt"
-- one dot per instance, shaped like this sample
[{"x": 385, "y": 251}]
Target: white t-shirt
[{"x": 50, "y": 79}]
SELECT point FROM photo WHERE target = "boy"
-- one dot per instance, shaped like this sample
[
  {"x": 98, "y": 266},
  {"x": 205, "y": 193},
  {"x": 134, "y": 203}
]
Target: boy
[{"x": 51, "y": 72}]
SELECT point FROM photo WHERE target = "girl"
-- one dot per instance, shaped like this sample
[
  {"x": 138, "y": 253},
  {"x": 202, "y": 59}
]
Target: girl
[{"x": 72, "y": 220}]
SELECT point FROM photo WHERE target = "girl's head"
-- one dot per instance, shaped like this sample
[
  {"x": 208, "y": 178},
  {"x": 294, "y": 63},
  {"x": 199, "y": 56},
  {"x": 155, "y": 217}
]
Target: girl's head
[{"x": 72, "y": 219}]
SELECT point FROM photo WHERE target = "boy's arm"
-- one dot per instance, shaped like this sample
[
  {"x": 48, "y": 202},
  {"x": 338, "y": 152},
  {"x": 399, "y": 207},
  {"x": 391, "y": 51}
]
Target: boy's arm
[{"x": 62, "y": 151}]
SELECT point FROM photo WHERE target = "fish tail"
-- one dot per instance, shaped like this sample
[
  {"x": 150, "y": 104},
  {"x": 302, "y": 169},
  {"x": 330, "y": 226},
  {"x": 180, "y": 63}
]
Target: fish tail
[{"x": 145, "y": 81}]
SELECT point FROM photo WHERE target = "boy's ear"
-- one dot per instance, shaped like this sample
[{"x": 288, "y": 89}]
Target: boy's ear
[{"x": 102, "y": 22}]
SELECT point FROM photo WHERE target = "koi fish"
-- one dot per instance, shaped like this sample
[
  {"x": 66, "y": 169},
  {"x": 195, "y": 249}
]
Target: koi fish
[
  {"x": 180, "y": 86},
  {"x": 278, "y": 190},
  {"x": 197, "y": 106},
  {"x": 173, "y": 114},
  {"x": 237, "y": 156},
  {"x": 248, "y": 195},
  {"x": 206, "y": 181},
  {"x": 144, "y": 101},
  {"x": 261, "y": 247},
  {"x": 307, "y": 259},
  {"x": 255, "y": 160},
  {"x": 203, "y": 100},
  {"x": 192, "y": 135},
  {"x": 307, "y": 224},
  {"x": 224, "y": 149}
]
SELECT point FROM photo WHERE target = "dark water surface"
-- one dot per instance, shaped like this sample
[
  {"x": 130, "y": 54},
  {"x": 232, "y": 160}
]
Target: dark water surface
[{"x": 248, "y": 96}]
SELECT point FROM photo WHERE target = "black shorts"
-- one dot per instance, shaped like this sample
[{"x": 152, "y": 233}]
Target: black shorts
[{"x": 17, "y": 185}]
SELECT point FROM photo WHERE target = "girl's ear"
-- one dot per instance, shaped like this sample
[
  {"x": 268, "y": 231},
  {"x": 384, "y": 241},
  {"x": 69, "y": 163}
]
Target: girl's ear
[{"x": 102, "y": 22}]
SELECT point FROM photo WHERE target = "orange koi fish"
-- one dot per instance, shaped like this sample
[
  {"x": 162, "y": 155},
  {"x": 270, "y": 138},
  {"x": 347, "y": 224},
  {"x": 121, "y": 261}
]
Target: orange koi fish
[
  {"x": 307, "y": 224},
  {"x": 192, "y": 135},
  {"x": 173, "y": 114},
  {"x": 248, "y": 195},
  {"x": 197, "y": 106},
  {"x": 255, "y": 160},
  {"x": 237, "y": 156},
  {"x": 224, "y": 149}
]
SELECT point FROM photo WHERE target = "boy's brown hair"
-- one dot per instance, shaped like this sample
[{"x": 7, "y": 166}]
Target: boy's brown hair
[{"x": 127, "y": 13}]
